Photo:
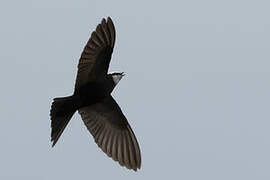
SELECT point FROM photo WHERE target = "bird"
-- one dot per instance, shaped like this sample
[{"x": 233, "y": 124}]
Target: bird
[{"x": 92, "y": 98}]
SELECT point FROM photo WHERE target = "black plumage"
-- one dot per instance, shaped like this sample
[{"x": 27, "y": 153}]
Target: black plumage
[{"x": 92, "y": 98}]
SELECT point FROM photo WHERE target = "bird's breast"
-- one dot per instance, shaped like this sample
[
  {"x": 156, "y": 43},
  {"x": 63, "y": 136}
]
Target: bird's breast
[{"x": 93, "y": 92}]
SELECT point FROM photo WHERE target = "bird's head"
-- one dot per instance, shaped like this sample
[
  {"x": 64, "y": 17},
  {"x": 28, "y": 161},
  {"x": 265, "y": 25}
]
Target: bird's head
[{"x": 116, "y": 77}]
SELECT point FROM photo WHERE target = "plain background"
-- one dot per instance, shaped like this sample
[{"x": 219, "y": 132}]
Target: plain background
[{"x": 196, "y": 92}]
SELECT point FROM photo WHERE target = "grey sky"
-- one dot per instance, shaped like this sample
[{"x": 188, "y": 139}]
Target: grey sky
[{"x": 196, "y": 92}]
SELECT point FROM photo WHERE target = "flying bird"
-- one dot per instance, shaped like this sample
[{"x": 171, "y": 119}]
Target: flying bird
[{"x": 92, "y": 98}]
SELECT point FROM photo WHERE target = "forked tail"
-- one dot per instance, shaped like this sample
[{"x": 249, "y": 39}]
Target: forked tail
[{"x": 62, "y": 110}]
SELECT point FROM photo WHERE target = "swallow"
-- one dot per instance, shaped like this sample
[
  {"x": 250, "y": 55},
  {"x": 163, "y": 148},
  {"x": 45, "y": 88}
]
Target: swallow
[{"x": 92, "y": 98}]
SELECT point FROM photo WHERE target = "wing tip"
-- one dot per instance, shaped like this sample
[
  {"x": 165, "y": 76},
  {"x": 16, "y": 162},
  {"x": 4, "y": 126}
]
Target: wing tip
[
  {"x": 53, "y": 144},
  {"x": 109, "y": 19},
  {"x": 103, "y": 20}
]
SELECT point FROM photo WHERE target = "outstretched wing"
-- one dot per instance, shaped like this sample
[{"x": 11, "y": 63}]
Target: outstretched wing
[
  {"x": 112, "y": 133},
  {"x": 96, "y": 56}
]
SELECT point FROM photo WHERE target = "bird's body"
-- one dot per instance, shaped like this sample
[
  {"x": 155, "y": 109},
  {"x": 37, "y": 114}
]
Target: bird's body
[
  {"x": 94, "y": 92},
  {"x": 92, "y": 98}
]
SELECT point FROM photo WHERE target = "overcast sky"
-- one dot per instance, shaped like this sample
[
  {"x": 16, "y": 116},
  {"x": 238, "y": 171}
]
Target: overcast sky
[{"x": 196, "y": 92}]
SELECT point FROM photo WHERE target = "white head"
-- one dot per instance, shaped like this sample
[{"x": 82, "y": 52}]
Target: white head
[{"x": 117, "y": 77}]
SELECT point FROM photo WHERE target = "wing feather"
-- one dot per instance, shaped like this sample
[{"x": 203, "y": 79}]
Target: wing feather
[
  {"x": 114, "y": 147},
  {"x": 112, "y": 31},
  {"x": 126, "y": 150}
]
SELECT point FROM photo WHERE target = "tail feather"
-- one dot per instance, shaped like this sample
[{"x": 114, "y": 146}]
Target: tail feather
[{"x": 62, "y": 110}]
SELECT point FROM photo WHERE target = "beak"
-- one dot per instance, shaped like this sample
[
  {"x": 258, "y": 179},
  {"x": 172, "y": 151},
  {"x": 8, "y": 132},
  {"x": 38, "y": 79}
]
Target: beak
[{"x": 123, "y": 74}]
